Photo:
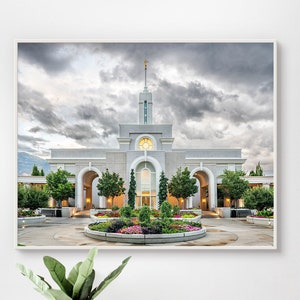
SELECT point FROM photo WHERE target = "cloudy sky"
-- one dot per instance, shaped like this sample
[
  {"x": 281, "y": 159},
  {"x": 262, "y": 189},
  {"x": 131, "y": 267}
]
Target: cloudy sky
[{"x": 216, "y": 95}]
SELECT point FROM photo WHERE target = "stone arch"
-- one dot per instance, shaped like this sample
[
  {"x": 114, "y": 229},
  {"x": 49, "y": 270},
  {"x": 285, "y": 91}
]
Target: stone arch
[
  {"x": 156, "y": 165},
  {"x": 84, "y": 187},
  {"x": 207, "y": 182}
]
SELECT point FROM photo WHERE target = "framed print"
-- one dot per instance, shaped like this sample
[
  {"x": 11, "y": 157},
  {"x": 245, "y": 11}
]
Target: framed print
[{"x": 151, "y": 145}]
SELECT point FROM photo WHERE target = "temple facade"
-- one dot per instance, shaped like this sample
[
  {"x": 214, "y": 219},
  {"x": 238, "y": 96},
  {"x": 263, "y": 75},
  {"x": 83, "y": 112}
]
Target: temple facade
[{"x": 146, "y": 148}]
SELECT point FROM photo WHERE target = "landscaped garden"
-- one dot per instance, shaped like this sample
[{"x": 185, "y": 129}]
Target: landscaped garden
[
  {"x": 139, "y": 223},
  {"x": 127, "y": 212}
]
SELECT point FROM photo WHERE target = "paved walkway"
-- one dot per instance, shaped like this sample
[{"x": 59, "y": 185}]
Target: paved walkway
[{"x": 229, "y": 233}]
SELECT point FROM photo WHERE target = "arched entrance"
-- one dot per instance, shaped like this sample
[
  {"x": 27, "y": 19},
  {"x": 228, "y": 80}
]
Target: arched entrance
[
  {"x": 85, "y": 188},
  {"x": 147, "y": 172},
  {"x": 145, "y": 185},
  {"x": 206, "y": 197}
]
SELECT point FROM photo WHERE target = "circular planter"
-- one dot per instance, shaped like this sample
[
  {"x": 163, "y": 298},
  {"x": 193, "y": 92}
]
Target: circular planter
[
  {"x": 145, "y": 238},
  {"x": 260, "y": 221},
  {"x": 94, "y": 218},
  {"x": 195, "y": 219},
  {"x": 25, "y": 221}
]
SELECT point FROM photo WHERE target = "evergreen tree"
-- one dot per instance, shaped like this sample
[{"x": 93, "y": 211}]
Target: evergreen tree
[
  {"x": 110, "y": 185},
  {"x": 132, "y": 190},
  {"x": 42, "y": 172},
  {"x": 35, "y": 171},
  {"x": 258, "y": 171},
  {"x": 163, "y": 188},
  {"x": 182, "y": 185}
]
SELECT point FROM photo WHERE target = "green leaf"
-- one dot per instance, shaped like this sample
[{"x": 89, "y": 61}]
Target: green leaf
[
  {"x": 87, "y": 286},
  {"x": 114, "y": 274},
  {"x": 57, "y": 295},
  {"x": 74, "y": 273},
  {"x": 40, "y": 283},
  {"x": 85, "y": 269},
  {"x": 58, "y": 273}
]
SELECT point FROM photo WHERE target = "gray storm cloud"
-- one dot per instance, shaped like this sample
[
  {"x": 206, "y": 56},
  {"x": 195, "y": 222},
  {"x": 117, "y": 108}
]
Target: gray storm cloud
[{"x": 223, "y": 89}]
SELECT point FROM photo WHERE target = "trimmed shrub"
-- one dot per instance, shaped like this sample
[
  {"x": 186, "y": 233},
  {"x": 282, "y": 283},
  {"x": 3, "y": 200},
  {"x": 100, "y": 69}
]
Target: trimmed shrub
[
  {"x": 166, "y": 210},
  {"x": 144, "y": 216},
  {"x": 176, "y": 210},
  {"x": 125, "y": 212},
  {"x": 115, "y": 207}
]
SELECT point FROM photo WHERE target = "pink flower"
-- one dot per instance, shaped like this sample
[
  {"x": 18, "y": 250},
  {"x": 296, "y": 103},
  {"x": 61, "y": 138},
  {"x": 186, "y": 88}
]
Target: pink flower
[{"x": 135, "y": 229}]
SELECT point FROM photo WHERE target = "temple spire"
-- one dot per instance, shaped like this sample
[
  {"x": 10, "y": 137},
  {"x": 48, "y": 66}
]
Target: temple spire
[
  {"x": 146, "y": 65},
  {"x": 145, "y": 102}
]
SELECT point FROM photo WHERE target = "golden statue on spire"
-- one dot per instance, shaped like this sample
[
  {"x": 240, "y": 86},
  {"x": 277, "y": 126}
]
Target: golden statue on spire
[{"x": 145, "y": 63}]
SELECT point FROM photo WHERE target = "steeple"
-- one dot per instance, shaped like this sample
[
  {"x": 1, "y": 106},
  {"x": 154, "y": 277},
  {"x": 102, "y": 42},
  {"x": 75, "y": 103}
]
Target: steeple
[
  {"x": 145, "y": 102},
  {"x": 146, "y": 65}
]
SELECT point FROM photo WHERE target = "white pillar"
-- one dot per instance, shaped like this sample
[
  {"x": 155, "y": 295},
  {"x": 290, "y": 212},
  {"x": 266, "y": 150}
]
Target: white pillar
[
  {"x": 102, "y": 202},
  {"x": 190, "y": 203}
]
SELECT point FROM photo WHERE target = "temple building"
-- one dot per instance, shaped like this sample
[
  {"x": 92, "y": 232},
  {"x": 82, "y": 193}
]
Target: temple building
[{"x": 147, "y": 148}]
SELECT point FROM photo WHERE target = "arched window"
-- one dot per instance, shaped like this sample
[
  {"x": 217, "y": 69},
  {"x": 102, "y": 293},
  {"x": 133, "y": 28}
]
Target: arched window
[{"x": 145, "y": 185}]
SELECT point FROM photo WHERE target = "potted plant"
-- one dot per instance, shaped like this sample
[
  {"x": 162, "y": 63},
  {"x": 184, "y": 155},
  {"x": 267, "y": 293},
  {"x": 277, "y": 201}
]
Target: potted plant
[{"x": 79, "y": 283}]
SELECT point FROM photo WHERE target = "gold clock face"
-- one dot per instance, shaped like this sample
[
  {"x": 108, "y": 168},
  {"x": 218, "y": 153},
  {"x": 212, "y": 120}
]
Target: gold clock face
[{"x": 145, "y": 144}]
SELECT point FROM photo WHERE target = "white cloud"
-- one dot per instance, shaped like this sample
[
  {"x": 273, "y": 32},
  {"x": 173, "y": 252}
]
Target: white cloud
[{"x": 216, "y": 95}]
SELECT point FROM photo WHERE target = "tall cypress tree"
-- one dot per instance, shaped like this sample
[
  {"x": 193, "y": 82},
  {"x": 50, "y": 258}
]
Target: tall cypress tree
[
  {"x": 132, "y": 190},
  {"x": 163, "y": 188}
]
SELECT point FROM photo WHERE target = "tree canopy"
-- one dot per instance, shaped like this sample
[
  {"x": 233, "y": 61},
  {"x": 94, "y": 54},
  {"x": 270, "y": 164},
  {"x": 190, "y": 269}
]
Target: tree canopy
[
  {"x": 110, "y": 185},
  {"x": 259, "y": 198},
  {"x": 233, "y": 186},
  {"x": 182, "y": 185},
  {"x": 58, "y": 185}
]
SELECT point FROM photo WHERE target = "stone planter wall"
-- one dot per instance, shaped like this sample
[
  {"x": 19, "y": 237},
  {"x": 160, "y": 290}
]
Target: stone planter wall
[
  {"x": 102, "y": 220},
  {"x": 145, "y": 238},
  {"x": 195, "y": 219},
  {"x": 196, "y": 211},
  {"x": 260, "y": 221},
  {"x": 24, "y": 221}
]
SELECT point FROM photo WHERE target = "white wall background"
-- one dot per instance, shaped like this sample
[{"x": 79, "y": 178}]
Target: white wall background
[{"x": 208, "y": 274}]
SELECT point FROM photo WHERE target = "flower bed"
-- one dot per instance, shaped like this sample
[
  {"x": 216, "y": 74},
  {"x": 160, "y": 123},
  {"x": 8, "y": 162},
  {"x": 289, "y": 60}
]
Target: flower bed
[
  {"x": 134, "y": 235},
  {"x": 155, "y": 230}
]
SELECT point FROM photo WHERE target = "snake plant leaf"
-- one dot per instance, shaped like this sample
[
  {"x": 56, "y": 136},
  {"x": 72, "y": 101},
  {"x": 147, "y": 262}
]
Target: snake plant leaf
[
  {"x": 58, "y": 273},
  {"x": 57, "y": 295},
  {"x": 85, "y": 269},
  {"x": 40, "y": 283},
  {"x": 114, "y": 274},
  {"x": 74, "y": 273},
  {"x": 87, "y": 286}
]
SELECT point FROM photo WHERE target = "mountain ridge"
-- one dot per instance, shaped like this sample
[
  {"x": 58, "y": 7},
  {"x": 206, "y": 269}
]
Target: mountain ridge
[{"x": 26, "y": 162}]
